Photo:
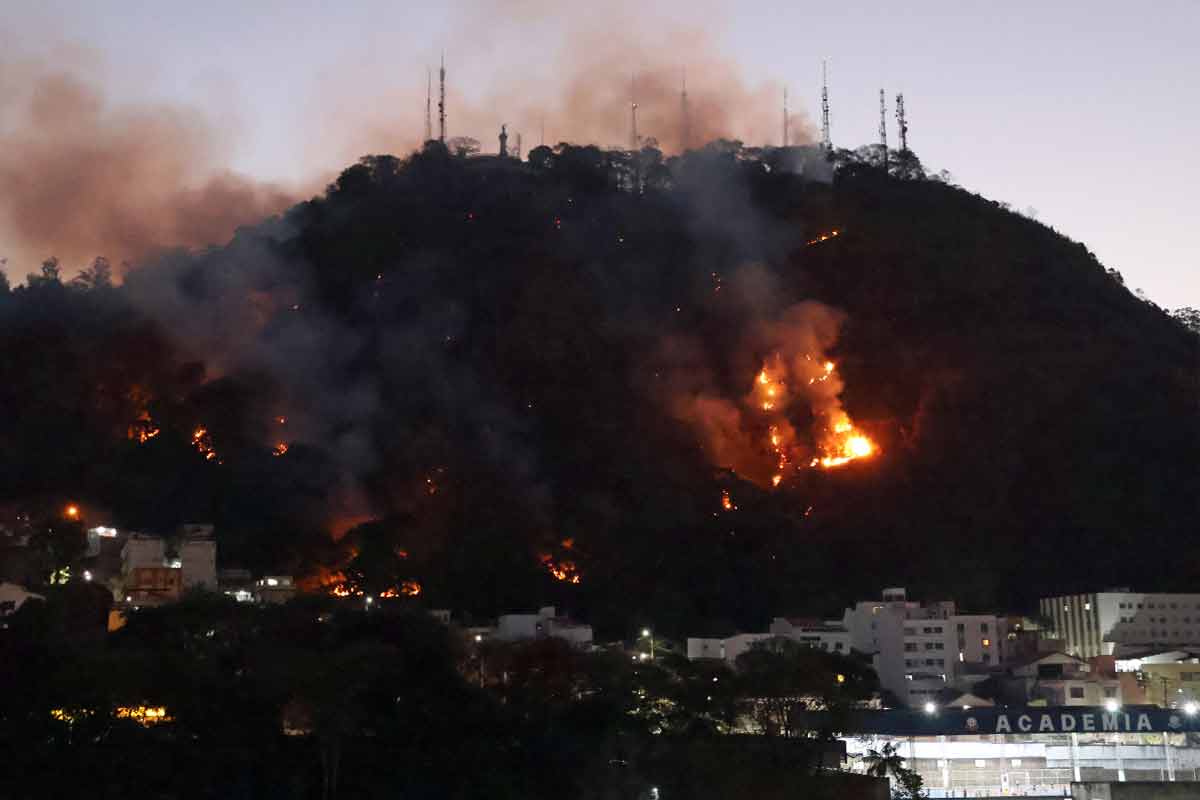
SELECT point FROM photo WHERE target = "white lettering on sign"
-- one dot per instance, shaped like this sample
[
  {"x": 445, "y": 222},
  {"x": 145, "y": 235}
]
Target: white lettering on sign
[
  {"x": 1089, "y": 723},
  {"x": 1024, "y": 723},
  {"x": 1108, "y": 722},
  {"x": 1067, "y": 723},
  {"x": 1046, "y": 725},
  {"x": 1143, "y": 722},
  {"x": 1002, "y": 725}
]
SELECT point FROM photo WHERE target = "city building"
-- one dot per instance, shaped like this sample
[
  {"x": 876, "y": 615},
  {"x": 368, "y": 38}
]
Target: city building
[
  {"x": 723, "y": 649},
  {"x": 919, "y": 650},
  {"x": 1060, "y": 679},
  {"x": 12, "y": 597},
  {"x": 275, "y": 589},
  {"x": 546, "y": 624},
  {"x": 829, "y": 636},
  {"x": 1122, "y": 623},
  {"x": 156, "y": 571},
  {"x": 1170, "y": 679}
]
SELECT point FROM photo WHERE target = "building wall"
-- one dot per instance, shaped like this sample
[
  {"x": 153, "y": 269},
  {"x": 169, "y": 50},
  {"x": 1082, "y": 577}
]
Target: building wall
[
  {"x": 199, "y": 564},
  {"x": 1109, "y": 623}
]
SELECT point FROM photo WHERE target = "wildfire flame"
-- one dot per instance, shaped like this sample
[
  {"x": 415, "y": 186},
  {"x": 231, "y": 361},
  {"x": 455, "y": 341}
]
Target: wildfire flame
[
  {"x": 203, "y": 443},
  {"x": 561, "y": 570},
  {"x": 824, "y": 237},
  {"x": 727, "y": 501},
  {"x": 279, "y": 449},
  {"x": 839, "y": 442}
]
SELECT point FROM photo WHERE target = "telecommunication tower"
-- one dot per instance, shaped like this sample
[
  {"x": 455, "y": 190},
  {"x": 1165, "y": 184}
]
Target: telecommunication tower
[
  {"x": 883, "y": 146},
  {"x": 442, "y": 103},
  {"x": 634, "y": 139},
  {"x": 826, "y": 141},
  {"x": 428, "y": 96},
  {"x": 785, "y": 119},
  {"x": 902, "y": 122},
  {"x": 685, "y": 127}
]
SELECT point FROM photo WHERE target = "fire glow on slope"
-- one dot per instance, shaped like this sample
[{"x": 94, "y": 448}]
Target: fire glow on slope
[{"x": 838, "y": 442}]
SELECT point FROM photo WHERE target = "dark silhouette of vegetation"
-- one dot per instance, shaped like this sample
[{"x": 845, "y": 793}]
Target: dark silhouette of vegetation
[{"x": 471, "y": 350}]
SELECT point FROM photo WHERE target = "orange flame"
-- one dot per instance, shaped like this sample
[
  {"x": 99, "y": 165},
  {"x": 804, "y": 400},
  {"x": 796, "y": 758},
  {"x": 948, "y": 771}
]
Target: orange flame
[{"x": 279, "y": 449}]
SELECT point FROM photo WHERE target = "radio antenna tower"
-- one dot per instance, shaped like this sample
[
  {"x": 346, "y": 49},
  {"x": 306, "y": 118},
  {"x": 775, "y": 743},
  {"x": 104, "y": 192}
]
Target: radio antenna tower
[
  {"x": 428, "y": 95},
  {"x": 902, "y": 122},
  {"x": 785, "y": 118},
  {"x": 442, "y": 102},
  {"x": 826, "y": 141},
  {"x": 634, "y": 139},
  {"x": 883, "y": 128},
  {"x": 517, "y": 154},
  {"x": 685, "y": 132}
]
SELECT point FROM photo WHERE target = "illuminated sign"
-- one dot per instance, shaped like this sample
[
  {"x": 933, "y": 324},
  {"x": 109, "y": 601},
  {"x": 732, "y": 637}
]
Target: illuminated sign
[{"x": 1010, "y": 720}]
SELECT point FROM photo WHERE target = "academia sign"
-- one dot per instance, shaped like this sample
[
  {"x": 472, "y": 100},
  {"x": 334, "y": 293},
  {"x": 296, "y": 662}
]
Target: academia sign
[{"x": 1016, "y": 720}]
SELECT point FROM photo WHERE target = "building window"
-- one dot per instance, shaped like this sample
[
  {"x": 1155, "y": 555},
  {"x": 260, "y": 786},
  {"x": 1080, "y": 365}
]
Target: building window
[
  {"x": 987, "y": 642},
  {"x": 1076, "y": 692},
  {"x": 980, "y": 762},
  {"x": 961, "y": 627},
  {"x": 939, "y": 645},
  {"x": 1016, "y": 762},
  {"x": 1110, "y": 691},
  {"x": 910, "y": 631},
  {"x": 1087, "y": 606},
  {"x": 987, "y": 658},
  {"x": 983, "y": 628},
  {"x": 910, "y": 647}
]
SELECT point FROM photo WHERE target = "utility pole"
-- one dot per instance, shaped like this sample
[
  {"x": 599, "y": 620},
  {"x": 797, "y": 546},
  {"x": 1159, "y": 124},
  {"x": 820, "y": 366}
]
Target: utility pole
[
  {"x": 442, "y": 102},
  {"x": 825, "y": 139},
  {"x": 902, "y": 122},
  {"x": 883, "y": 128}
]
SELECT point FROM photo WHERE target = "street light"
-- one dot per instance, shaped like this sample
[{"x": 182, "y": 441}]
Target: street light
[
  {"x": 930, "y": 708},
  {"x": 649, "y": 634},
  {"x": 1189, "y": 708},
  {"x": 1111, "y": 705}
]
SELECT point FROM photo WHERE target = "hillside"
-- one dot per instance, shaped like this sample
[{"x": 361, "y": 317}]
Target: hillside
[{"x": 531, "y": 371}]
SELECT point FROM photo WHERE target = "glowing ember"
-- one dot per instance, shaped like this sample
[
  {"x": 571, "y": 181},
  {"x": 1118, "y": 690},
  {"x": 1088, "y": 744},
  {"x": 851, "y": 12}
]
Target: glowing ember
[
  {"x": 845, "y": 444},
  {"x": 561, "y": 570},
  {"x": 71, "y": 511},
  {"x": 203, "y": 443},
  {"x": 824, "y": 237},
  {"x": 279, "y": 449},
  {"x": 727, "y": 501}
]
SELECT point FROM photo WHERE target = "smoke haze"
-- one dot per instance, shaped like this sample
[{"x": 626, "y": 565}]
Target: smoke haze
[{"x": 84, "y": 176}]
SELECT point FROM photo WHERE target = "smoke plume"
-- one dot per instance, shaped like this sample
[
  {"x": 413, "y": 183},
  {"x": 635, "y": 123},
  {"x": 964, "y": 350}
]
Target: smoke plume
[{"x": 84, "y": 176}]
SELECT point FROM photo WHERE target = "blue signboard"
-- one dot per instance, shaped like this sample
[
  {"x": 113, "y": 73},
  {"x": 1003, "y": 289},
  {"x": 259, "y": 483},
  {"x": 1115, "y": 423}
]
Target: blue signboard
[{"x": 1016, "y": 720}]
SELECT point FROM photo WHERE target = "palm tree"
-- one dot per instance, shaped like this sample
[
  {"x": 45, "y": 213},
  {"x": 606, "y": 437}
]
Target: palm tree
[{"x": 887, "y": 763}]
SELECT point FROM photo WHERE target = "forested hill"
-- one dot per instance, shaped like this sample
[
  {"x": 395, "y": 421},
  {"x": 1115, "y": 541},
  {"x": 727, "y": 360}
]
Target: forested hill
[{"x": 534, "y": 376}]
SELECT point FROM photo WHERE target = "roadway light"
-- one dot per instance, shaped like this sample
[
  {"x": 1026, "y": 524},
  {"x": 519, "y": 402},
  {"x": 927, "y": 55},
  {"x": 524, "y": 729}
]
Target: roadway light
[
  {"x": 478, "y": 638},
  {"x": 645, "y": 633},
  {"x": 1189, "y": 708},
  {"x": 87, "y": 574},
  {"x": 930, "y": 708},
  {"x": 1111, "y": 705}
]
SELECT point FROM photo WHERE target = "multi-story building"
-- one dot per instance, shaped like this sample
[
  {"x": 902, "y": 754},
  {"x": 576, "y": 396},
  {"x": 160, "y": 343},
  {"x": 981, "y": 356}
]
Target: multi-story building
[
  {"x": 829, "y": 636},
  {"x": 153, "y": 573},
  {"x": 919, "y": 649},
  {"x": 1059, "y": 679},
  {"x": 542, "y": 625},
  {"x": 1124, "y": 624}
]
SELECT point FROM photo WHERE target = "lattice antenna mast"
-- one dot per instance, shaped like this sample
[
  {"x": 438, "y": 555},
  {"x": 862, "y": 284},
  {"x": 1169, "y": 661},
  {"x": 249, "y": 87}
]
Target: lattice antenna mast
[
  {"x": 685, "y": 132},
  {"x": 883, "y": 145},
  {"x": 428, "y": 102},
  {"x": 442, "y": 102},
  {"x": 517, "y": 154},
  {"x": 902, "y": 122},
  {"x": 825, "y": 138},
  {"x": 634, "y": 139},
  {"x": 785, "y": 119}
]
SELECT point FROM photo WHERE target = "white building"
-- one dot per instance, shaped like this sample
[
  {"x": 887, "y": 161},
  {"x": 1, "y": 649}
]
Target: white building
[
  {"x": 727, "y": 649},
  {"x": 829, "y": 636},
  {"x": 1059, "y": 679},
  {"x": 919, "y": 649},
  {"x": 1124, "y": 623},
  {"x": 12, "y": 597},
  {"x": 546, "y": 624}
]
